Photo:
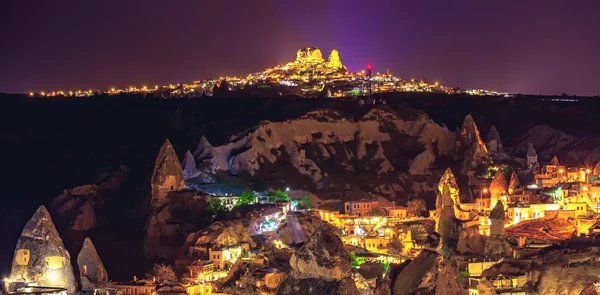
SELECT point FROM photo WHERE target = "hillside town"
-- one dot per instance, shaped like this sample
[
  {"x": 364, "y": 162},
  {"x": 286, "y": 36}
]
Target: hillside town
[
  {"x": 524, "y": 217},
  {"x": 310, "y": 75}
]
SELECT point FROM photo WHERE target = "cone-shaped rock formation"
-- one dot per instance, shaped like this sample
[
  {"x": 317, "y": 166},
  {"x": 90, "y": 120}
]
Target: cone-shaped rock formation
[
  {"x": 498, "y": 187},
  {"x": 469, "y": 146},
  {"x": 493, "y": 142},
  {"x": 91, "y": 268},
  {"x": 40, "y": 255},
  {"x": 167, "y": 175},
  {"x": 189, "y": 166}
]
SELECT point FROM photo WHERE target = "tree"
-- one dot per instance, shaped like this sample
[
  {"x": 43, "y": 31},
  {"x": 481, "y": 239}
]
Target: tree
[
  {"x": 279, "y": 195},
  {"x": 416, "y": 207},
  {"x": 162, "y": 273},
  {"x": 354, "y": 260},
  {"x": 247, "y": 197},
  {"x": 215, "y": 207},
  {"x": 307, "y": 202}
]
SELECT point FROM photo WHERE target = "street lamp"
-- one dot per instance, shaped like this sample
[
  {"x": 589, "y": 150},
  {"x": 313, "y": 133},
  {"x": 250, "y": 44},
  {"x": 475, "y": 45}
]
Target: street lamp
[{"x": 483, "y": 191}]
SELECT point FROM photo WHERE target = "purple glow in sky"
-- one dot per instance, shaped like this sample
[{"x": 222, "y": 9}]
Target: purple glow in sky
[{"x": 528, "y": 46}]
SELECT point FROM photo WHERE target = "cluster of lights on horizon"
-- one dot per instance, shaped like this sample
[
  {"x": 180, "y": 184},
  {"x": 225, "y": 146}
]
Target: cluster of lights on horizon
[{"x": 289, "y": 75}]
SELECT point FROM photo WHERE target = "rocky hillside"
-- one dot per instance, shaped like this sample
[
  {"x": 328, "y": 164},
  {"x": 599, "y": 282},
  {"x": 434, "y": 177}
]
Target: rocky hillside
[
  {"x": 550, "y": 142},
  {"x": 53, "y": 145},
  {"x": 322, "y": 149}
]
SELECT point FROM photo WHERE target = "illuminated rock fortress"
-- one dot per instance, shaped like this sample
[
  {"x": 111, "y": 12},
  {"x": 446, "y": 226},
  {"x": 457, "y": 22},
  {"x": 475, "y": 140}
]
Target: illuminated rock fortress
[{"x": 310, "y": 59}]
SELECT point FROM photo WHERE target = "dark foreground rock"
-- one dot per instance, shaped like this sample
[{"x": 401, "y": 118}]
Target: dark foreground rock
[
  {"x": 320, "y": 266},
  {"x": 91, "y": 268},
  {"x": 295, "y": 284},
  {"x": 429, "y": 273},
  {"x": 40, "y": 255}
]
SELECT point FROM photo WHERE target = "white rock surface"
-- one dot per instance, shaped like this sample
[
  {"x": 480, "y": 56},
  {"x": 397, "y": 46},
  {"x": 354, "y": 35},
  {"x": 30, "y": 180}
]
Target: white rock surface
[
  {"x": 189, "y": 166},
  {"x": 421, "y": 163},
  {"x": 244, "y": 152}
]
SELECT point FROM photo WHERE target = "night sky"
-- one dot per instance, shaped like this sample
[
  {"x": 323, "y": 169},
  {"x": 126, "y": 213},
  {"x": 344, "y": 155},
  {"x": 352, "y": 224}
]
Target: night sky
[{"x": 519, "y": 46}]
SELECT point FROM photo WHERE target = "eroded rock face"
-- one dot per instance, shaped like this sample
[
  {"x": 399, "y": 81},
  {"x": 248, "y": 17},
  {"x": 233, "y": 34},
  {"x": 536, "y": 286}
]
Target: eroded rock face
[
  {"x": 306, "y": 286},
  {"x": 447, "y": 207},
  {"x": 320, "y": 266},
  {"x": 428, "y": 273},
  {"x": 361, "y": 284},
  {"x": 227, "y": 233},
  {"x": 323, "y": 255},
  {"x": 315, "y": 146},
  {"x": 469, "y": 146},
  {"x": 168, "y": 226},
  {"x": 549, "y": 230},
  {"x": 91, "y": 268},
  {"x": 309, "y": 54},
  {"x": 470, "y": 241},
  {"x": 591, "y": 289},
  {"x": 334, "y": 61},
  {"x": 596, "y": 170},
  {"x": 40, "y": 255},
  {"x": 485, "y": 287},
  {"x": 570, "y": 281},
  {"x": 532, "y": 158},
  {"x": 497, "y": 219},
  {"x": 296, "y": 229},
  {"x": 422, "y": 162},
  {"x": 554, "y": 161},
  {"x": 493, "y": 142},
  {"x": 167, "y": 176},
  {"x": 189, "y": 166},
  {"x": 76, "y": 208},
  {"x": 498, "y": 187},
  {"x": 514, "y": 182}
]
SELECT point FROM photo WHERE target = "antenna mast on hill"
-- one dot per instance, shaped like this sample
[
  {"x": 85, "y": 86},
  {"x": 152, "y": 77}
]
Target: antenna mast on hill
[{"x": 369, "y": 68}]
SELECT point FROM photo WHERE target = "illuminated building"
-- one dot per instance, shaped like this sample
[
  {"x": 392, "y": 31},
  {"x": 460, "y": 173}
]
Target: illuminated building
[{"x": 360, "y": 208}]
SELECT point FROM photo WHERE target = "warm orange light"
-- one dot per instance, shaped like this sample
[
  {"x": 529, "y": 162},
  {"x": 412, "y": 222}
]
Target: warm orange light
[
  {"x": 588, "y": 171},
  {"x": 561, "y": 171},
  {"x": 585, "y": 188},
  {"x": 485, "y": 190}
]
